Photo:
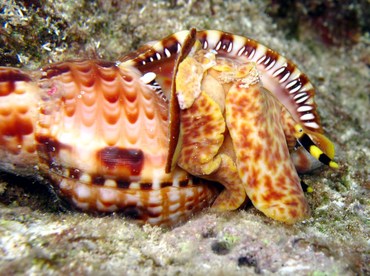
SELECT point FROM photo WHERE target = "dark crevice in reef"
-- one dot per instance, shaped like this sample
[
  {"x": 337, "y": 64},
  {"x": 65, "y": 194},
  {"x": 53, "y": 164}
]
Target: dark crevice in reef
[{"x": 25, "y": 192}]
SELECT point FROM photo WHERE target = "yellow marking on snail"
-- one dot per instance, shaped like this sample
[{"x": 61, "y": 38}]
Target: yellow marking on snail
[
  {"x": 188, "y": 84},
  {"x": 305, "y": 140},
  {"x": 203, "y": 128}
]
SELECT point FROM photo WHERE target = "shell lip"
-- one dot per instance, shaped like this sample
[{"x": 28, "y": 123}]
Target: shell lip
[{"x": 174, "y": 110}]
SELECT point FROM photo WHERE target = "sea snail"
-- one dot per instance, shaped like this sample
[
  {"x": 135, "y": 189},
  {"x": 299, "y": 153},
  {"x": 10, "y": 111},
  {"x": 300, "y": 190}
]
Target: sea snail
[{"x": 154, "y": 134}]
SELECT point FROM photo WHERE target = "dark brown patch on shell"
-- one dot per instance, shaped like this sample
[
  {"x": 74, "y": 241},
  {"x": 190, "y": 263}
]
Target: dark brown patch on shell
[
  {"x": 146, "y": 186},
  {"x": 8, "y": 78},
  {"x": 250, "y": 47},
  {"x": 16, "y": 126},
  {"x": 11, "y": 74},
  {"x": 56, "y": 69},
  {"x": 98, "y": 180},
  {"x": 49, "y": 145},
  {"x": 226, "y": 39},
  {"x": 272, "y": 55},
  {"x": 123, "y": 184},
  {"x": 122, "y": 159}
]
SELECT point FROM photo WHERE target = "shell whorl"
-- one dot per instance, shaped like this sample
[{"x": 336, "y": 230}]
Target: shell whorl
[
  {"x": 93, "y": 109},
  {"x": 99, "y": 134}
]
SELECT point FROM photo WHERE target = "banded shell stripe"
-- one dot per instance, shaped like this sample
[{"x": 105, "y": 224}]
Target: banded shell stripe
[
  {"x": 161, "y": 50},
  {"x": 179, "y": 180},
  {"x": 167, "y": 206}
]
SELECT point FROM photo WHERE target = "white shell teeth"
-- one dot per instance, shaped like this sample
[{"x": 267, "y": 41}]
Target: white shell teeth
[
  {"x": 279, "y": 71},
  {"x": 304, "y": 108},
  {"x": 307, "y": 117},
  {"x": 267, "y": 60},
  {"x": 261, "y": 59},
  {"x": 230, "y": 48},
  {"x": 292, "y": 83},
  {"x": 218, "y": 46},
  {"x": 311, "y": 125},
  {"x": 205, "y": 45},
  {"x": 294, "y": 90},
  {"x": 272, "y": 64},
  {"x": 167, "y": 52},
  {"x": 286, "y": 76},
  {"x": 241, "y": 51},
  {"x": 148, "y": 77},
  {"x": 251, "y": 54},
  {"x": 302, "y": 100}
]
